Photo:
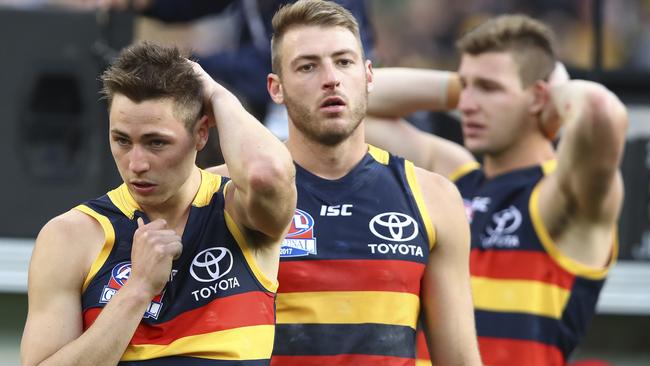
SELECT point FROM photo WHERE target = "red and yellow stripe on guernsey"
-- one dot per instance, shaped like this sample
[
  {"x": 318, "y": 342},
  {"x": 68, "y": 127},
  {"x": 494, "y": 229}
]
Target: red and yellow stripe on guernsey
[
  {"x": 423, "y": 358},
  {"x": 325, "y": 298},
  {"x": 230, "y": 328},
  {"x": 356, "y": 360},
  {"x": 503, "y": 351},
  {"x": 504, "y": 281}
]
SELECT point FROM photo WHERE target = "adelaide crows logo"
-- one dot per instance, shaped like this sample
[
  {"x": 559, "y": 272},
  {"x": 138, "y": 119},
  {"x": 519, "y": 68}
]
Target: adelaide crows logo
[
  {"x": 300, "y": 240},
  {"x": 119, "y": 275}
]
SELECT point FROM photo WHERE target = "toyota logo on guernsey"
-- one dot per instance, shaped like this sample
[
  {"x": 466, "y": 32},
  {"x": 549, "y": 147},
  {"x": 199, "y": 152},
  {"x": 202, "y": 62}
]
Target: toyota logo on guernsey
[
  {"x": 394, "y": 226},
  {"x": 211, "y": 264}
]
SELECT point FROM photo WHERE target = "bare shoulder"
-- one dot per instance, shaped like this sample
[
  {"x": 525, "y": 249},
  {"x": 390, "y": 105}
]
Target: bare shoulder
[
  {"x": 219, "y": 170},
  {"x": 444, "y": 205},
  {"x": 72, "y": 239},
  {"x": 437, "y": 187}
]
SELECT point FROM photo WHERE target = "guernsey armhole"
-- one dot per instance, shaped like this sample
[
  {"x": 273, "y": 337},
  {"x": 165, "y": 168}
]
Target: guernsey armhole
[
  {"x": 566, "y": 262},
  {"x": 411, "y": 179},
  {"x": 109, "y": 241},
  {"x": 463, "y": 170},
  {"x": 269, "y": 284}
]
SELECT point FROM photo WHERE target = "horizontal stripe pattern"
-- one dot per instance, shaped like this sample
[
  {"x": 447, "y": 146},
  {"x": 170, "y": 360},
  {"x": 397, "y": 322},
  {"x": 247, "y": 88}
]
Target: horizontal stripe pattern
[
  {"x": 356, "y": 360},
  {"x": 342, "y": 339},
  {"x": 508, "y": 352},
  {"x": 530, "y": 297},
  {"x": 352, "y": 307},
  {"x": 350, "y": 275},
  {"x": 517, "y": 326},
  {"x": 520, "y": 265},
  {"x": 244, "y": 343},
  {"x": 250, "y": 308},
  {"x": 422, "y": 350},
  {"x": 193, "y": 361}
]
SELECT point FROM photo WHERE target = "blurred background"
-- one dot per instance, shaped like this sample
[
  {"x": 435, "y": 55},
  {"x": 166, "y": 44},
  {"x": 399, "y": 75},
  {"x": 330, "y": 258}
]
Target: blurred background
[{"x": 53, "y": 128}]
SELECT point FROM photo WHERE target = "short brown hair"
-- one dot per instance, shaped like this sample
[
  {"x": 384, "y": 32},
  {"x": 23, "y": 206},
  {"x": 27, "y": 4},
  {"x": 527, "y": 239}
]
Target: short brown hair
[
  {"x": 529, "y": 41},
  {"x": 146, "y": 71},
  {"x": 310, "y": 13}
]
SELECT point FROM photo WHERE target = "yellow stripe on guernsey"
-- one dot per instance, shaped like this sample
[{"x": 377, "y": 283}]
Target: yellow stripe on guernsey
[
  {"x": 381, "y": 156},
  {"x": 566, "y": 262},
  {"x": 409, "y": 168},
  {"x": 109, "y": 241},
  {"x": 420, "y": 362},
  {"x": 210, "y": 183},
  {"x": 122, "y": 199},
  {"x": 348, "y": 307},
  {"x": 245, "y": 343},
  {"x": 270, "y": 284},
  {"x": 521, "y": 296},
  {"x": 462, "y": 170}
]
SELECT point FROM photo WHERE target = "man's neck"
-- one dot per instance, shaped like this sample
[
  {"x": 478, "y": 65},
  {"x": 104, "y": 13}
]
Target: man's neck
[
  {"x": 329, "y": 162},
  {"x": 533, "y": 151},
  {"x": 176, "y": 210}
]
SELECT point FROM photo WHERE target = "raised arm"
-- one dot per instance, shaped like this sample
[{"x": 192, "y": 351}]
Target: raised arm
[
  {"x": 446, "y": 294},
  {"x": 398, "y": 92},
  {"x": 586, "y": 188},
  {"x": 260, "y": 166},
  {"x": 64, "y": 251}
]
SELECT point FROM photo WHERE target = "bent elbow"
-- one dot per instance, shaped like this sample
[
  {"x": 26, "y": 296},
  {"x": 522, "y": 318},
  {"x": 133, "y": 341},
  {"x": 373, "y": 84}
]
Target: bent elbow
[{"x": 272, "y": 177}]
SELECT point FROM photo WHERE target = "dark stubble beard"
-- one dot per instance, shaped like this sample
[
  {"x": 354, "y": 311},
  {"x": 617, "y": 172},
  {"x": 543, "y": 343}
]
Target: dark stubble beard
[{"x": 308, "y": 124}]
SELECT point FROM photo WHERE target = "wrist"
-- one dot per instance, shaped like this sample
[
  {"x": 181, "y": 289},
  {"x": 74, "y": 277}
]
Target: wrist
[{"x": 453, "y": 90}]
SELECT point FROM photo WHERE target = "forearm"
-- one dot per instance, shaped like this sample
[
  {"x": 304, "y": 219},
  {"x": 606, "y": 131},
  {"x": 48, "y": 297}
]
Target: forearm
[
  {"x": 106, "y": 340},
  {"x": 258, "y": 163},
  {"x": 595, "y": 123},
  {"x": 398, "y": 92}
]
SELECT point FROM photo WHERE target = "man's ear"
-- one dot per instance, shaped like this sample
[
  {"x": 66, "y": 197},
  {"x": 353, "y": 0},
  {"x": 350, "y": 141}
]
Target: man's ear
[
  {"x": 274, "y": 87},
  {"x": 540, "y": 97},
  {"x": 369, "y": 76},
  {"x": 202, "y": 132}
]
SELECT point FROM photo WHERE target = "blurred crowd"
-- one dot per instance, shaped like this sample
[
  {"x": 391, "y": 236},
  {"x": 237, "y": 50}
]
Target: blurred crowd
[{"x": 428, "y": 40}]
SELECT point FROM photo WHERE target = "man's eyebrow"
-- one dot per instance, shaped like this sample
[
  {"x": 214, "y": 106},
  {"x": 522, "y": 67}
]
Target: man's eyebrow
[{"x": 314, "y": 57}]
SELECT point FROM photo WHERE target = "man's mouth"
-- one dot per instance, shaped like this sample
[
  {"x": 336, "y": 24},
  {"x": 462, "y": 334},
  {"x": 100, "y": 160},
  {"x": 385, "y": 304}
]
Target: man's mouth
[{"x": 334, "y": 104}]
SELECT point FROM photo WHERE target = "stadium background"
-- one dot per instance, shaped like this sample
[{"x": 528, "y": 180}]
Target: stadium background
[{"x": 54, "y": 150}]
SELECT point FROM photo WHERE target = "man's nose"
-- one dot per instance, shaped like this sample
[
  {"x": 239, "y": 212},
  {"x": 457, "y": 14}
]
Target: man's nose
[{"x": 138, "y": 162}]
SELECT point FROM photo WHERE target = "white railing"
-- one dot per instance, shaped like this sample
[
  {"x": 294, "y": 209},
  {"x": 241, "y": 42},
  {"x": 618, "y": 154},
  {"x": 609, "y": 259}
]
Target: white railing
[{"x": 627, "y": 290}]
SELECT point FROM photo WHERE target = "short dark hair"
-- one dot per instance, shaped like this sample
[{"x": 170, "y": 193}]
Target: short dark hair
[
  {"x": 310, "y": 13},
  {"x": 528, "y": 40},
  {"x": 146, "y": 71}
]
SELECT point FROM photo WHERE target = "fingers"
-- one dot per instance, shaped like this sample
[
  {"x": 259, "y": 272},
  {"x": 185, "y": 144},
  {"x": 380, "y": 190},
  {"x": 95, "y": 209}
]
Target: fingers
[{"x": 158, "y": 237}]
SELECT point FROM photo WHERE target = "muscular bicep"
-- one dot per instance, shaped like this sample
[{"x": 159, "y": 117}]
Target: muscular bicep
[
  {"x": 264, "y": 215},
  {"x": 446, "y": 294},
  {"x": 56, "y": 273},
  {"x": 590, "y": 150}
]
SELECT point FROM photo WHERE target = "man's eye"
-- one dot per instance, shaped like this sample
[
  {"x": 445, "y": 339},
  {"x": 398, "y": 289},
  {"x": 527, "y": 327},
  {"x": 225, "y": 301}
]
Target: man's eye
[
  {"x": 121, "y": 141},
  {"x": 157, "y": 143},
  {"x": 306, "y": 68}
]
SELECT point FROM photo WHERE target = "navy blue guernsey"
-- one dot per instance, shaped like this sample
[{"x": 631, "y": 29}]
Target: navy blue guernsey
[
  {"x": 217, "y": 308},
  {"x": 532, "y": 303},
  {"x": 351, "y": 267}
]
